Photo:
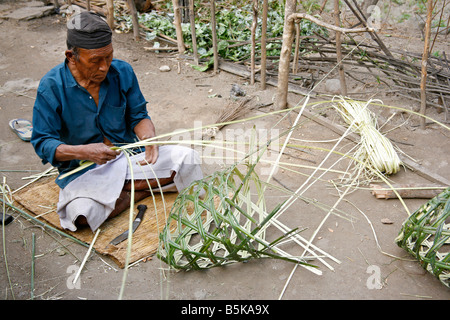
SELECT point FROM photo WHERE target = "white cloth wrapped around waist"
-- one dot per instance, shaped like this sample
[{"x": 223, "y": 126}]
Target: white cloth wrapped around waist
[{"x": 94, "y": 193}]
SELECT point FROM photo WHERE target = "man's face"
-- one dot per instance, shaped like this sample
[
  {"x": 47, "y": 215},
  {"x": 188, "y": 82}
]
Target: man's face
[{"x": 93, "y": 64}]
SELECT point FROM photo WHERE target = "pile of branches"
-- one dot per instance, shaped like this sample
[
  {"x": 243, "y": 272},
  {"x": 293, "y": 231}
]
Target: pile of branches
[{"x": 401, "y": 71}]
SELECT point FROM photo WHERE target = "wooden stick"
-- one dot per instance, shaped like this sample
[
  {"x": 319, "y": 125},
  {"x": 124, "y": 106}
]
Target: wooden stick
[
  {"x": 214, "y": 36},
  {"x": 297, "y": 48},
  {"x": 253, "y": 35},
  {"x": 426, "y": 50},
  {"x": 283, "y": 68},
  {"x": 193, "y": 32},
  {"x": 337, "y": 20},
  {"x": 177, "y": 23},
  {"x": 373, "y": 34},
  {"x": 110, "y": 13},
  {"x": 134, "y": 18},
  {"x": 406, "y": 191},
  {"x": 263, "y": 44},
  {"x": 82, "y": 4}
]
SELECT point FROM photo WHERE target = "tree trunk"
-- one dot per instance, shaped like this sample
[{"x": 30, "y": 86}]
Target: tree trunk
[{"x": 283, "y": 69}]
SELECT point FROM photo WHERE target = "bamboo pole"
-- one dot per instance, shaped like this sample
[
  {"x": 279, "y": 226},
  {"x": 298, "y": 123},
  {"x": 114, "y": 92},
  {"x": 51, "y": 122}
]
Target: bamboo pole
[
  {"x": 253, "y": 35},
  {"x": 426, "y": 49},
  {"x": 290, "y": 20},
  {"x": 177, "y": 22},
  {"x": 193, "y": 32},
  {"x": 134, "y": 18},
  {"x": 337, "y": 20},
  {"x": 263, "y": 44},
  {"x": 33, "y": 256},
  {"x": 214, "y": 36}
]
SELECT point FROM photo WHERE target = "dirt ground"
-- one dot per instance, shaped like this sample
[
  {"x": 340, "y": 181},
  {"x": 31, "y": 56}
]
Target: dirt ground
[{"x": 177, "y": 99}]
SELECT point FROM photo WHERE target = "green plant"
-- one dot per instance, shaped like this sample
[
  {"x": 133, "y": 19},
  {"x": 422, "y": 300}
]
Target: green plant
[{"x": 233, "y": 25}]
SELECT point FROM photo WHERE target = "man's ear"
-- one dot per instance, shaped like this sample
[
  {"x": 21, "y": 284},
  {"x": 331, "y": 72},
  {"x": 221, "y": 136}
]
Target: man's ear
[{"x": 70, "y": 56}]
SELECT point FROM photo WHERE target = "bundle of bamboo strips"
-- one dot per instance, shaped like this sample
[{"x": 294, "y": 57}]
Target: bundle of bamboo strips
[{"x": 376, "y": 152}]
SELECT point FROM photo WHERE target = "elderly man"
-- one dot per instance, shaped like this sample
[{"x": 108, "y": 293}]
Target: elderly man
[{"x": 84, "y": 106}]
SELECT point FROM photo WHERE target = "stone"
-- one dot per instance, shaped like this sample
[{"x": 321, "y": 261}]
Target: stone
[
  {"x": 164, "y": 68},
  {"x": 333, "y": 86}
]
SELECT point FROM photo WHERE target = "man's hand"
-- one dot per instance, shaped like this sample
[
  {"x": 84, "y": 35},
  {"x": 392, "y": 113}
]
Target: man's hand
[
  {"x": 99, "y": 153},
  {"x": 145, "y": 130},
  {"x": 151, "y": 155}
]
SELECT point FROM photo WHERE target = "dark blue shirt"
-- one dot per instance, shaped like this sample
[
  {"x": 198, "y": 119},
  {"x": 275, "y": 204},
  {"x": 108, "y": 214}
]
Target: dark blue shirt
[{"x": 65, "y": 112}]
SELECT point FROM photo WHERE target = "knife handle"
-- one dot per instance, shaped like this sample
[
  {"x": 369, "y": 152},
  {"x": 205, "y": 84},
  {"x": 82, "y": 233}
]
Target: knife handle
[{"x": 141, "y": 208}]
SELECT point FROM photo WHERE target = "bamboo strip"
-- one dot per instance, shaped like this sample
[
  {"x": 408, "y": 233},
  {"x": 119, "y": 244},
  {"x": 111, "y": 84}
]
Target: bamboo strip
[{"x": 86, "y": 257}]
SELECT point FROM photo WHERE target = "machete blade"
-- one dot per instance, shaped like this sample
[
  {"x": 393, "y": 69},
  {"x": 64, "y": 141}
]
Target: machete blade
[{"x": 136, "y": 223}]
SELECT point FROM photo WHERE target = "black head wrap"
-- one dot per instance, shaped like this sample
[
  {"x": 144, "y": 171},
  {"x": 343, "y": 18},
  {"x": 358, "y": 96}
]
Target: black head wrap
[{"x": 87, "y": 30}]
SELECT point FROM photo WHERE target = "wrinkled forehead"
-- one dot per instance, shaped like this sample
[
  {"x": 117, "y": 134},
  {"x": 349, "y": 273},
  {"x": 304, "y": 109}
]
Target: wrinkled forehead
[{"x": 99, "y": 52}]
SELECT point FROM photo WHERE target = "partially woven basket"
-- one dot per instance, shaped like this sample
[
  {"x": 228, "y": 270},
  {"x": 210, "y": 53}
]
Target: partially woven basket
[
  {"x": 226, "y": 224},
  {"x": 426, "y": 235}
]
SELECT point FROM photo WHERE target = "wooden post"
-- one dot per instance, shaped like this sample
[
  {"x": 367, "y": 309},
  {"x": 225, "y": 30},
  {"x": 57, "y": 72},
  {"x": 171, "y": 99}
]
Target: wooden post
[
  {"x": 337, "y": 19},
  {"x": 193, "y": 33},
  {"x": 263, "y": 44},
  {"x": 253, "y": 35},
  {"x": 214, "y": 36},
  {"x": 88, "y": 5},
  {"x": 177, "y": 22},
  {"x": 283, "y": 69},
  {"x": 426, "y": 49},
  {"x": 110, "y": 13},
  {"x": 134, "y": 18}
]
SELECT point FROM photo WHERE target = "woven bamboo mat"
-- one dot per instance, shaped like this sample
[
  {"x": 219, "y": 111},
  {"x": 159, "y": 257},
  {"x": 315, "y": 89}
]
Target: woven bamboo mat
[{"x": 41, "y": 197}]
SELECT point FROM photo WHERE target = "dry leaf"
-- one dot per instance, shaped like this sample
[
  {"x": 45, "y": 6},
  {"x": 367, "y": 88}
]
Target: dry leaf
[{"x": 386, "y": 221}]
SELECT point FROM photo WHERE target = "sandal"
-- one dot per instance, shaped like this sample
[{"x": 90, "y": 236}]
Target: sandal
[
  {"x": 22, "y": 127},
  {"x": 8, "y": 219}
]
